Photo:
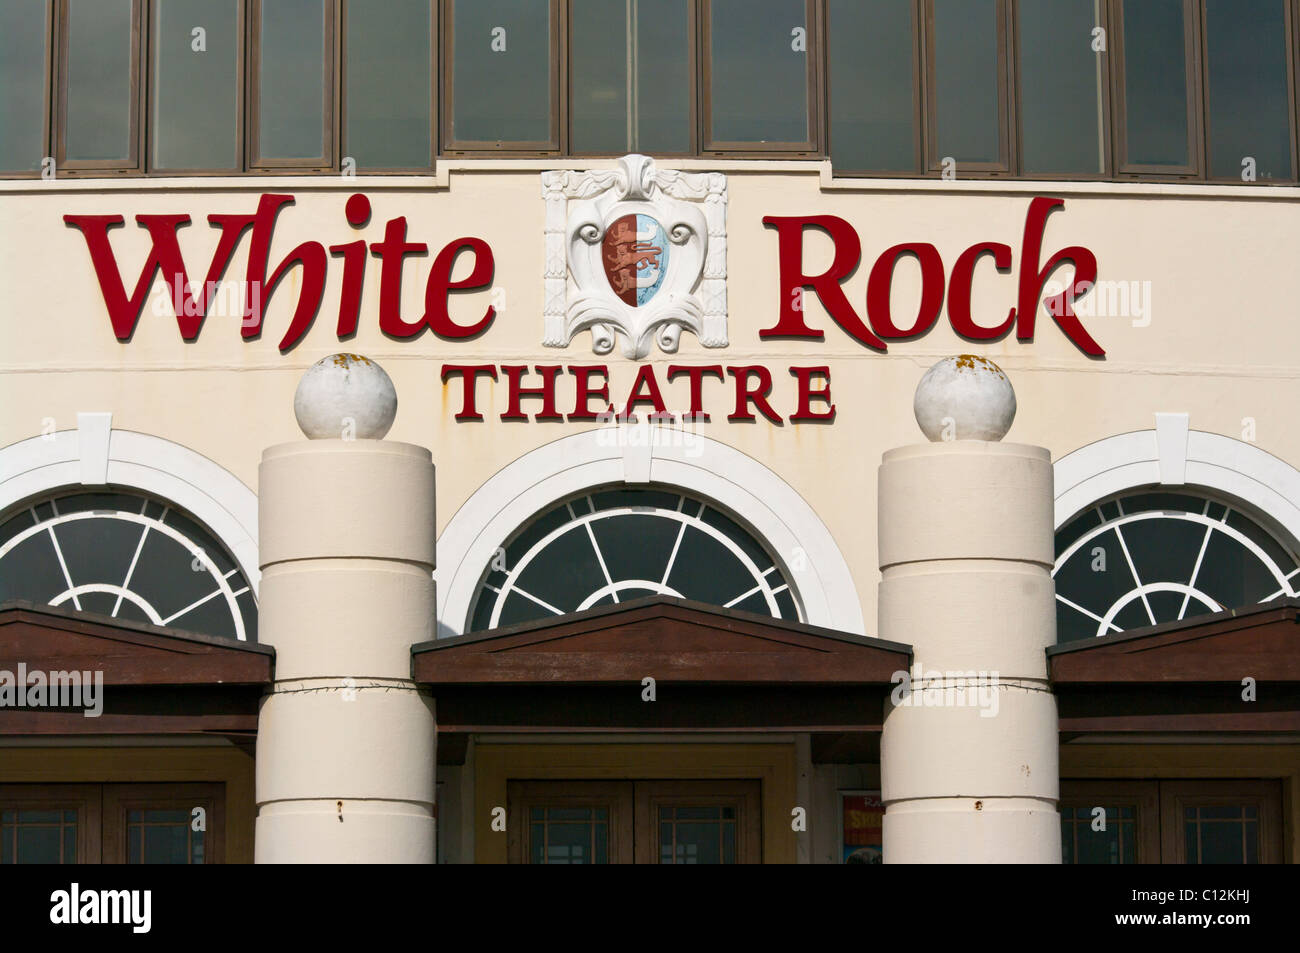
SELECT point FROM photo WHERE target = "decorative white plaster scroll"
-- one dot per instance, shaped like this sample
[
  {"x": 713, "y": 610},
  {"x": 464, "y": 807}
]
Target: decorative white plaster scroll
[{"x": 638, "y": 253}]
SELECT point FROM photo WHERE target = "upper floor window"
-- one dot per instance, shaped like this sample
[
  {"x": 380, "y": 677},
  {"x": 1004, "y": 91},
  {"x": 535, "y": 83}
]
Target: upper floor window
[
  {"x": 127, "y": 557},
  {"x": 1152, "y": 557},
  {"x": 611, "y": 546},
  {"x": 1080, "y": 89}
]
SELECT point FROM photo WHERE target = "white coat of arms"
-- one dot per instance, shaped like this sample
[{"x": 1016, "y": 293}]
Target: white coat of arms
[{"x": 638, "y": 253}]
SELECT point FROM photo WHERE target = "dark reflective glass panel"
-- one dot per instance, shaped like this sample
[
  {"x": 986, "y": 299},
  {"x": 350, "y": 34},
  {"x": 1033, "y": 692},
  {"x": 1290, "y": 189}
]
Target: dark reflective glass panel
[
  {"x": 1221, "y": 834},
  {"x": 388, "y": 86},
  {"x": 633, "y": 95},
  {"x": 162, "y": 836},
  {"x": 292, "y": 71},
  {"x": 1155, "y": 83},
  {"x": 569, "y": 835},
  {"x": 1061, "y": 77},
  {"x": 194, "y": 116},
  {"x": 38, "y": 836},
  {"x": 967, "y": 64},
  {"x": 871, "y": 49},
  {"x": 691, "y": 834},
  {"x": 23, "y": 78},
  {"x": 758, "y": 71},
  {"x": 1083, "y": 843},
  {"x": 100, "y": 92},
  {"x": 1248, "y": 88},
  {"x": 501, "y": 83}
]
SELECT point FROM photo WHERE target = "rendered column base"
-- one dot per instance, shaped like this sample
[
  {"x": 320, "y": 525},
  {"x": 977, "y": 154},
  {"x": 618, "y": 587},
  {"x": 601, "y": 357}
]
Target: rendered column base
[
  {"x": 954, "y": 831},
  {"x": 370, "y": 832}
]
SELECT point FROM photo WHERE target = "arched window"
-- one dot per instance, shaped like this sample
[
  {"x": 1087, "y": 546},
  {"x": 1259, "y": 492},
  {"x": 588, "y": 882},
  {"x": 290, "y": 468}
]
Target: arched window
[
  {"x": 1149, "y": 557},
  {"x": 126, "y": 556},
  {"x": 610, "y": 546}
]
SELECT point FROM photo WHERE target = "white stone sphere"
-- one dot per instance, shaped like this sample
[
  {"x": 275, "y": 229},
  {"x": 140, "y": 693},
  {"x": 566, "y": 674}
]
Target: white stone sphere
[
  {"x": 345, "y": 396},
  {"x": 966, "y": 397}
]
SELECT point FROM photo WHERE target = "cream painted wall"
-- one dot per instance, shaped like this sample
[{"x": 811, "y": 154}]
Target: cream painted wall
[{"x": 1221, "y": 344}]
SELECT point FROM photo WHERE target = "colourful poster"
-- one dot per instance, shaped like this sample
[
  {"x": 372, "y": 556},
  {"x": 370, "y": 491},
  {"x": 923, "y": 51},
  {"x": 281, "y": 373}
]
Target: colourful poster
[{"x": 863, "y": 817}]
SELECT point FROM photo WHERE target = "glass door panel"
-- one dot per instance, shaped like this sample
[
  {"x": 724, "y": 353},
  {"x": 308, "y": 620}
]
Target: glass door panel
[
  {"x": 1221, "y": 822},
  {"x": 49, "y": 824},
  {"x": 569, "y": 822},
  {"x": 698, "y": 822}
]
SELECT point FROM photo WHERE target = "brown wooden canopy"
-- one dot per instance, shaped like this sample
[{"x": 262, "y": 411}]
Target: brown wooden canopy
[
  {"x": 714, "y": 670},
  {"x": 156, "y": 680},
  {"x": 1185, "y": 676}
]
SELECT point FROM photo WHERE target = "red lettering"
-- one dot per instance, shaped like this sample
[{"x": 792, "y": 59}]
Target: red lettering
[
  {"x": 792, "y": 278},
  {"x": 745, "y": 395},
  {"x": 645, "y": 377},
  {"x": 440, "y": 286},
  {"x": 164, "y": 255},
  {"x": 881, "y": 281},
  {"x": 807, "y": 395},
  {"x": 959, "y": 291},
  {"x": 696, "y": 375},
  {"x": 582, "y": 374},
  {"x": 354, "y": 267},
  {"x": 469, "y": 380},
  {"x": 393, "y": 251},
  {"x": 514, "y": 375},
  {"x": 1032, "y": 279}
]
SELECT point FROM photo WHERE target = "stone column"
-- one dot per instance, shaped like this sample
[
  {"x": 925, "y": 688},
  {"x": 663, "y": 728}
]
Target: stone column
[
  {"x": 346, "y": 741},
  {"x": 969, "y": 758}
]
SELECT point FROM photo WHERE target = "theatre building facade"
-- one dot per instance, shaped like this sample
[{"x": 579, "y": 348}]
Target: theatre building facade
[{"x": 691, "y": 431}]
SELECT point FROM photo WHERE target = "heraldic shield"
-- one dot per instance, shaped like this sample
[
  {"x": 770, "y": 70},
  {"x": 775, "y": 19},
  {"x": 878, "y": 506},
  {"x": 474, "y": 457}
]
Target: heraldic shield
[{"x": 644, "y": 259}]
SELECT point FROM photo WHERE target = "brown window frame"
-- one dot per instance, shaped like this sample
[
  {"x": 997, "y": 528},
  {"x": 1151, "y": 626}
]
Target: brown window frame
[
  {"x": 809, "y": 148},
  {"x": 51, "y": 75},
  {"x": 1142, "y": 796},
  {"x": 557, "y": 77},
  {"x": 1194, "y": 67},
  {"x": 435, "y": 62},
  {"x": 254, "y": 162},
  {"x": 101, "y": 812},
  {"x": 1265, "y": 796},
  {"x": 241, "y": 112},
  {"x": 134, "y": 164},
  {"x": 1007, "y": 120},
  {"x": 693, "y": 41},
  {"x": 1291, "y": 39},
  {"x": 743, "y": 796},
  {"x": 1108, "y": 128},
  {"x": 919, "y": 138},
  {"x": 85, "y": 799},
  {"x": 522, "y": 796},
  {"x": 121, "y": 798}
]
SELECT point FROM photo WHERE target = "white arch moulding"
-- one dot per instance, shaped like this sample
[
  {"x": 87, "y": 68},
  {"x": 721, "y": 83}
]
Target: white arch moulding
[
  {"x": 631, "y": 456},
  {"x": 1173, "y": 455},
  {"x": 97, "y": 455}
]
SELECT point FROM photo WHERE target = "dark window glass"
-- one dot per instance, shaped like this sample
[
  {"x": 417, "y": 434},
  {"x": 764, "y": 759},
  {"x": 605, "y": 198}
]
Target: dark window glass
[
  {"x": 388, "y": 86},
  {"x": 967, "y": 67},
  {"x": 630, "y": 76},
  {"x": 501, "y": 83},
  {"x": 195, "y": 87},
  {"x": 292, "y": 79},
  {"x": 23, "y": 69},
  {"x": 1248, "y": 108},
  {"x": 100, "y": 93},
  {"x": 569, "y": 836},
  {"x": 699, "y": 835},
  {"x": 1061, "y": 80},
  {"x": 758, "y": 67},
  {"x": 162, "y": 836},
  {"x": 1155, "y": 83},
  {"x": 871, "y": 49},
  {"x": 38, "y": 837}
]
